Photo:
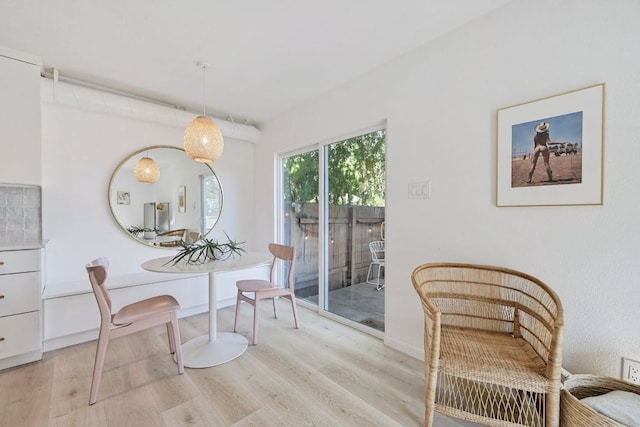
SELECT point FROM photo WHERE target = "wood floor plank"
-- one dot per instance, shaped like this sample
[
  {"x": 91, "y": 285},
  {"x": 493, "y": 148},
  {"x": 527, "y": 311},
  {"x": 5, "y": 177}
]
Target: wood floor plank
[
  {"x": 173, "y": 390},
  {"x": 25, "y": 393},
  {"x": 399, "y": 399},
  {"x": 271, "y": 416},
  {"x": 136, "y": 408},
  {"x": 196, "y": 412},
  {"x": 81, "y": 416}
]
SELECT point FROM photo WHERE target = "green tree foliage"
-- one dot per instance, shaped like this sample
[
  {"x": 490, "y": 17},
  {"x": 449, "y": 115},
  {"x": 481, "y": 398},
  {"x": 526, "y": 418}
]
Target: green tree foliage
[
  {"x": 301, "y": 178},
  {"x": 356, "y": 172}
]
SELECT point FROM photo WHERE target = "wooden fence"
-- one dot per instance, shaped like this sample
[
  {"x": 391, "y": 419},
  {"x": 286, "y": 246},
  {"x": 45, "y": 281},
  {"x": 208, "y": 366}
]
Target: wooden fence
[{"x": 351, "y": 228}]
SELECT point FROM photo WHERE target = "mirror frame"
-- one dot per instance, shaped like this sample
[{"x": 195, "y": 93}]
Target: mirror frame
[{"x": 112, "y": 191}]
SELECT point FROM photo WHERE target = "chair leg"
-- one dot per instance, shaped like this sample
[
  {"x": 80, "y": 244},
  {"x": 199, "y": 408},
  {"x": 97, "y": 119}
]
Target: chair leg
[
  {"x": 275, "y": 313},
  {"x": 171, "y": 338},
  {"x": 101, "y": 351},
  {"x": 235, "y": 323},
  {"x": 430, "y": 406},
  {"x": 256, "y": 317},
  {"x": 295, "y": 310},
  {"x": 175, "y": 341},
  {"x": 378, "y": 286},
  {"x": 368, "y": 273},
  {"x": 552, "y": 409},
  {"x": 432, "y": 366}
]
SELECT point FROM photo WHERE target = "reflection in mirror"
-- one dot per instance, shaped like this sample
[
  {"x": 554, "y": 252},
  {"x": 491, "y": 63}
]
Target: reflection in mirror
[{"x": 183, "y": 205}]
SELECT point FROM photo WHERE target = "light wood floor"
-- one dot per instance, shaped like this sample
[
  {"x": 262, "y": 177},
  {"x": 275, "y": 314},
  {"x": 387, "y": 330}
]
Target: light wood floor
[{"x": 324, "y": 374}]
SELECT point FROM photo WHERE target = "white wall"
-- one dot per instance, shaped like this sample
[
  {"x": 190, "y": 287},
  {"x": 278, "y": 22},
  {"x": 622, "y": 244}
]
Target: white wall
[
  {"x": 80, "y": 151},
  {"x": 20, "y": 161},
  {"x": 440, "y": 103}
]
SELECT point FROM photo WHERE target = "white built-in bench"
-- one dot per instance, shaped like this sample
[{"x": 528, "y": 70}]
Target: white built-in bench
[{"x": 70, "y": 311}]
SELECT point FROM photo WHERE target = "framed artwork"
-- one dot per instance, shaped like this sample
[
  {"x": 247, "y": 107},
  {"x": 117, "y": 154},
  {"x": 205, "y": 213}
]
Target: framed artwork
[
  {"x": 182, "y": 199},
  {"x": 123, "y": 198},
  {"x": 550, "y": 151}
]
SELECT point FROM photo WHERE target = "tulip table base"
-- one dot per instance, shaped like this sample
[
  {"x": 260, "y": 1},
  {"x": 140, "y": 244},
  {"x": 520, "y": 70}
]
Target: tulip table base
[{"x": 200, "y": 352}]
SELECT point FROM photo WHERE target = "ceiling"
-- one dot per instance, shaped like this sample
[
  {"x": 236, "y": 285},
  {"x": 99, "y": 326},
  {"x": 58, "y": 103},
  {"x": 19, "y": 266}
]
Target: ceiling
[{"x": 265, "y": 57}]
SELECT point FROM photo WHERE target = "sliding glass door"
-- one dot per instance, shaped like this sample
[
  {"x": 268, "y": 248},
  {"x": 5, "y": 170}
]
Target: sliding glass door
[
  {"x": 332, "y": 209},
  {"x": 354, "y": 199},
  {"x": 299, "y": 227}
]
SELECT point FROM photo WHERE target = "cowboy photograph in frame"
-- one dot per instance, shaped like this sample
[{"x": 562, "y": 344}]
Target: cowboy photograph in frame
[{"x": 550, "y": 151}]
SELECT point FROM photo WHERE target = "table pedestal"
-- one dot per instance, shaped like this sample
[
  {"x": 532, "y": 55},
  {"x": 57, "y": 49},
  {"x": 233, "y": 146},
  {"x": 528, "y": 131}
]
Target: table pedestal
[{"x": 202, "y": 353}]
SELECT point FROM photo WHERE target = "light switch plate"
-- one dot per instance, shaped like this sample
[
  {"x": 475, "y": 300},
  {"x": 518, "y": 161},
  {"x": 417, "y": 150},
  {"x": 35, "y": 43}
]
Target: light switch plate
[{"x": 420, "y": 190}]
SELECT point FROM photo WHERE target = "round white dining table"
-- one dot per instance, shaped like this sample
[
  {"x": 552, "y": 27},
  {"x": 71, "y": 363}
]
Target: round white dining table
[{"x": 215, "y": 348}]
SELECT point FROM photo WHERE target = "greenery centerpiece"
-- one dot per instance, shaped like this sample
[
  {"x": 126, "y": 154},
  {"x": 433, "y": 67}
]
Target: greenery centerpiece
[{"x": 206, "y": 250}]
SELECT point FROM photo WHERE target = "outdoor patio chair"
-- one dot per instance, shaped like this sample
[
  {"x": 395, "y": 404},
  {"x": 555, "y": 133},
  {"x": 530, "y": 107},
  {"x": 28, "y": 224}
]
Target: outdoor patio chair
[{"x": 377, "y": 258}]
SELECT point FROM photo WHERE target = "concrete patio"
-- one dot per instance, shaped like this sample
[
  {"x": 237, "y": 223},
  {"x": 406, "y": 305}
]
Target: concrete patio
[{"x": 361, "y": 303}]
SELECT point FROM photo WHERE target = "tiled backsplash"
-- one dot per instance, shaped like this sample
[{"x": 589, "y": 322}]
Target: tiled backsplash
[{"x": 20, "y": 213}]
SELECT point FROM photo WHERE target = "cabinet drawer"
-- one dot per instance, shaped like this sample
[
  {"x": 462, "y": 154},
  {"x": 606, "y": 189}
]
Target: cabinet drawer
[
  {"x": 19, "y": 261},
  {"x": 19, "y": 293},
  {"x": 19, "y": 334}
]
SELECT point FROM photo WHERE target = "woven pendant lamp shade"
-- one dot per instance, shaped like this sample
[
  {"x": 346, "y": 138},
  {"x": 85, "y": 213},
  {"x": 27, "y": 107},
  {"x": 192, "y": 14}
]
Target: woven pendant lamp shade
[
  {"x": 203, "y": 140},
  {"x": 146, "y": 171}
]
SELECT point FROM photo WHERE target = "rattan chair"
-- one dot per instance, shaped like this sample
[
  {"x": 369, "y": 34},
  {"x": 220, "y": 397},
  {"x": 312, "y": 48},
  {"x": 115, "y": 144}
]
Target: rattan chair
[{"x": 493, "y": 345}]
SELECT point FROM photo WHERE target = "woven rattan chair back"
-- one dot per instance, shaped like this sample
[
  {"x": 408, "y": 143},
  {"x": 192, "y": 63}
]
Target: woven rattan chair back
[{"x": 493, "y": 344}]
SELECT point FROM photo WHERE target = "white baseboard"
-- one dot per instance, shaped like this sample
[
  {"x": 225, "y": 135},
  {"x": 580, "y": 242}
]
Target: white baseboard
[
  {"x": 69, "y": 340},
  {"x": 403, "y": 347},
  {"x": 20, "y": 359}
]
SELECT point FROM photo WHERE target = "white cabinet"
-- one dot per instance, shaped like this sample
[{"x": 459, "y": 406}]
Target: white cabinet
[
  {"x": 20, "y": 319},
  {"x": 20, "y": 161}
]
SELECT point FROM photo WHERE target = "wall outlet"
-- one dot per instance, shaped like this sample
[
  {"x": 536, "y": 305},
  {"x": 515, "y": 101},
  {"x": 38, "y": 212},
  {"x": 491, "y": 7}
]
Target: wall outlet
[{"x": 630, "y": 370}]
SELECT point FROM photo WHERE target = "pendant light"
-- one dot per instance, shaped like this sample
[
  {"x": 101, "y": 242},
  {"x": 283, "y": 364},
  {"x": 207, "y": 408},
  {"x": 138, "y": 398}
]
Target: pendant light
[
  {"x": 146, "y": 171},
  {"x": 202, "y": 138}
]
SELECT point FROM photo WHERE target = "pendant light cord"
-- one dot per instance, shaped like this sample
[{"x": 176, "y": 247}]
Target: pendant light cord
[
  {"x": 204, "y": 89},
  {"x": 204, "y": 67}
]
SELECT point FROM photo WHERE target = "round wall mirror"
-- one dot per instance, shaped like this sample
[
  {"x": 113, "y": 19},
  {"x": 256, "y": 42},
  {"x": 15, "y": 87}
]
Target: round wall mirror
[{"x": 184, "y": 204}]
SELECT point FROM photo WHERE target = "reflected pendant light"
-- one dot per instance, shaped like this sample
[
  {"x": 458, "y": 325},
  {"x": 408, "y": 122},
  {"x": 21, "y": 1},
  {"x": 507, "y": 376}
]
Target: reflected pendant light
[
  {"x": 147, "y": 171},
  {"x": 202, "y": 138}
]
